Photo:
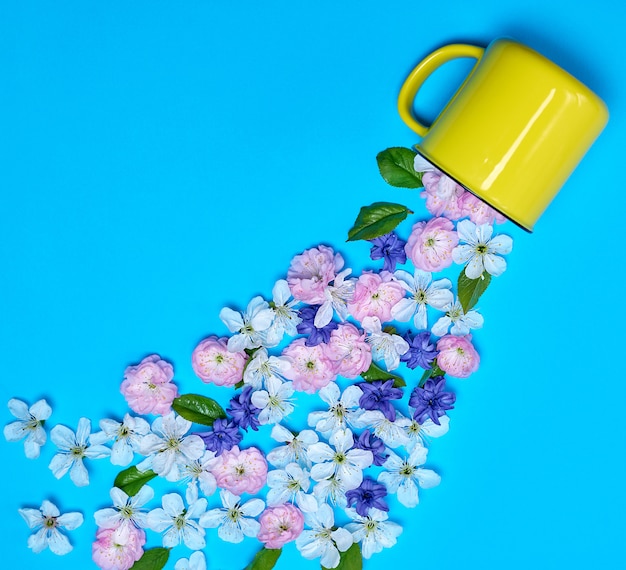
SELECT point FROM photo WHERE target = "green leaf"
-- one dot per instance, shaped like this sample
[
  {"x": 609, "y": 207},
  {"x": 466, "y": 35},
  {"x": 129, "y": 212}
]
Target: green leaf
[
  {"x": 351, "y": 559},
  {"x": 396, "y": 167},
  {"x": 131, "y": 480},
  {"x": 470, "y": 290},
  {"x": 374, "y": 372},
  {"x": 377, "y": 219},
  {"x": 152, "y": 559},
  {"x": 265, "y": 559},
  {"x": 430, "y": 373},
  {"x": 198, "y": 409}
]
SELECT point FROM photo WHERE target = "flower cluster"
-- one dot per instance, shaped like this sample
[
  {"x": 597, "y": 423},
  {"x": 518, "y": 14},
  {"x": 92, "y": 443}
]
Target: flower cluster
[{"x": 341, "y": 337}]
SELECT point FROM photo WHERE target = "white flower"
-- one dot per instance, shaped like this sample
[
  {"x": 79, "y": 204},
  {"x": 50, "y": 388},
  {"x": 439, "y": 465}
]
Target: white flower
[
  {"x": 250, "y": 327},
  {"x": 331, "y": 491},
  {"x": 125, "y": 509},
  {"x": 234, "y": 519},
  {"x": 73, "y": 448},
  {"x": 261, "y": 367},
  {"x": 346, "y": 462},
  {"x": 286, "y": 319},
  {"x": 480, "y": 249},
  {"x": 420, "y": 434},
  {"x": 274, "y": 402},
  {"x": 322, "y": 541},
  {"x": 342, "y": 412},
  {"x": 337, "y": 297},
  {"x": 126, "y": 437},
  {"x": 179, "y": 523},
  {"x": 403, "y": 475},
  {"x": 385, "y": 346},
  {"x": 461, "y": 322},
  {"x": 167, "y": 449},
  {"x": 198, "y": 472},
  {"x": 423, "y": 293},
  {"x": 196, "y": 561},
  {"x": 29, "y": 425},
  {"x": 290, "y": 484},
  {"x": 374, "y": 531},
  {"x": 296, "y": 447},
  {"x": 47, "y": 520},
  {"x": 393, "y": 433}
]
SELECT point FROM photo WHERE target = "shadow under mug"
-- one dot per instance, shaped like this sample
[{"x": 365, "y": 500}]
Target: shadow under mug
[{"x": 513, "y": 132}]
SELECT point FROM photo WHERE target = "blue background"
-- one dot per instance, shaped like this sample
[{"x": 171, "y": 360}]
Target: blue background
[{"x": 160, "y": 160}]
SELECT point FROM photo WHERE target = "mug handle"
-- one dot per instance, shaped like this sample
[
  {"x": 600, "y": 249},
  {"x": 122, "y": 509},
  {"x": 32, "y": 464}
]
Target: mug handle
[{"x": 418, "y": 76}]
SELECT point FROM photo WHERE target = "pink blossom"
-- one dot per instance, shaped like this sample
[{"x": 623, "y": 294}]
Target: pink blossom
[
  {"x": 430, "y": 244},
  {"x": 213, "y": 363},
  {"x": 310, "y": 273},
  {"x": 478, "y": 211},
  {"x": 311, "y": 367},
  {"x": 349, "y": 350},
  {"x": 374, "y": 296},
  {"x": 280, "y": 524},
  {"x": 148, "y": 387},
  {"x": 118, "y": 548},
  {"x": 442, "y": 195},
  {"x": 240, "y": 471},
  {"x": 457, "y": 355}
]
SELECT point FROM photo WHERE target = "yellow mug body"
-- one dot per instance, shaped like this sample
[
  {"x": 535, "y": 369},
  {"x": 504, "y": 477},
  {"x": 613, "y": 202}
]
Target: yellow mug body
[{"x": 515, "y": 129}]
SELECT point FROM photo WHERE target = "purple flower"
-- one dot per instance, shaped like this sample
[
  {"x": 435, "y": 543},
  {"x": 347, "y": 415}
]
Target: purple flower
[
  {"x": 244, "y": 413},
  {"x": 431, "y": 400},
  {"x": 377, "y": 396},
  {"x": 316, "y": 336},
  {"x": 390, "y": 248},
  {"x": 370, "y": 442},
  {"x": 225, "y": 436},
  {"x": 369, "y": 494},
  {"x": 421, "y": 352}
]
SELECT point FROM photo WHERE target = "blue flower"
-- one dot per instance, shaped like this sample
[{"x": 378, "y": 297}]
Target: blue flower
[
  {"x": 307, "y": 326},
  {"x": 377, "y": 396},
  {"x": 225, "y": 436},
  {"x": 390, "y": 248},
  {"x": 421, "y": 352},
  {"x": 244, "y": 413},
  {"x": 369, "y": 494},
  {"x": 431, "y": 400},
  {"x": 370, "y": 442}
]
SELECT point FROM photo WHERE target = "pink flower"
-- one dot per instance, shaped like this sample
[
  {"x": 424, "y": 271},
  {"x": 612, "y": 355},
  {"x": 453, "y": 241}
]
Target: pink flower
[
  {"x": 280, "y": 525},
  {"x": 212, "y": 362},
  {"x": 442, "y": 195},
  {"x": 241, "y": 471},
  {"x": 311, "y": 367},
  {"x": 349, "y": 350},
  {"x": 118, "y": 548},
  {"x": 457, "y": 355},
  {"x": 374, "y": 296},
  {"x": 430, "y": 244},
  {"x": 148, "y": 387},
  {"x": 310, "y": 273},
  {"x": 478, "y": 211}
]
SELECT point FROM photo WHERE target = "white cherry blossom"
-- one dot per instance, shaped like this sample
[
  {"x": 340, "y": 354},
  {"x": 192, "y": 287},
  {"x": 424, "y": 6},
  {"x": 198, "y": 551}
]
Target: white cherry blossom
[
  {"x": 322, "y": 541},
  {"x": 261, "y": 367},
  {"x": 47, "y": 522},
  {"x": 73, "y": 448},
  {"x": 385, "y": 346},
  {"x": 168, "y": 449},
  {"x": 461, "y": 321},
  {"x": 374, "y": 531},
  {"x": 337, "y": 296},
  {"x": 178, "y": 523},
  {"x": 29, "y": 425},
  {"x": 274, "y": 402},
  {"x": 402, "y": 476},
  {"x": 250, "y": 326},
  {"x": 423, "y": 292},
  {"x": 126, "y": 509},
  {"x": 296, "y": 447},
  {"x": 235, "y": 519},
  {"x": 290, "y": 484},
  {"x": 481, "y": 252},
  {"x": 343, "y": 409},
  {"x": 126, "y": 437}
]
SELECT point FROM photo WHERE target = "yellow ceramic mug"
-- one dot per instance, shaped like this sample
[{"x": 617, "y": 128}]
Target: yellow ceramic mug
[{"x": 515, "y": 129}]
